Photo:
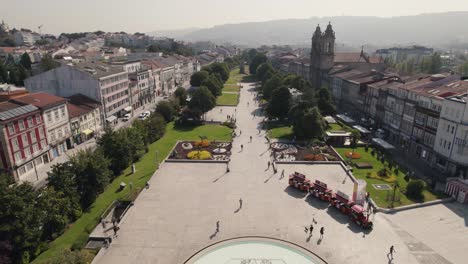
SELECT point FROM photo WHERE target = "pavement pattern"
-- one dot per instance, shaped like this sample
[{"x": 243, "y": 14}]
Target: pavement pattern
[{"x": 177, "y": 215}]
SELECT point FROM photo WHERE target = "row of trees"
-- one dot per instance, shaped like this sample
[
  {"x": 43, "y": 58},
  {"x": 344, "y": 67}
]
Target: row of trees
[
  {"x": 29, "y": 218},
  {"x": 174, "y": 48},
  {"x": 304, "y": 112},
  {"x": 16, "y": 72},
  {"x": 430, "y": 65}
]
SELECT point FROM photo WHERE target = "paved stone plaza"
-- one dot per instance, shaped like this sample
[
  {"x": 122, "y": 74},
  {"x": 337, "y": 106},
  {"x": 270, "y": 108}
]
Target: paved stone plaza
[{"x": 177, "y": 215}]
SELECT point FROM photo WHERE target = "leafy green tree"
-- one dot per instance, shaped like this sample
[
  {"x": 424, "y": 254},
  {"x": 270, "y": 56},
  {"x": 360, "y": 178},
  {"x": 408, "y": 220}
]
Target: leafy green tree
[
  {"x": 202, "y": 99},
  {"x": 181, "y": 94},
  {"x": 166, "y": 109},
  {"x": 262, "y": 72},
  {"x": 250, "y": 55},
  {"x": 462, "y": 69},
  {"x": 325, "y": 102},
  {"x": 270, "y": 85},
  {"x": 220, "y": 68},
  {"x": 213, "y": 84},
  {"x": 155, "y": 127},
  {"x": 22, "y": 74},
  {"x": 279, "y": 103},
  {"x": 47, "y": 63},
  {"x": 67, "y": 256},
  {"x": 25, "y": 61},
  {"x": 308, "y": 124},
  {"x": 136, "y": 143},
  {"x": 257, "y": 61},
  {"x": 355, "y": 137},
  {"x": 197, "y": 78},
  {"x": 92, "y": 174}
]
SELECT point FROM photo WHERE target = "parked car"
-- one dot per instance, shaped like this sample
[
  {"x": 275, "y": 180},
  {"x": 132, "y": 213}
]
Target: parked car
[
  {"x": 126, "y": 117},
  {"x": 144, "y": 115}
]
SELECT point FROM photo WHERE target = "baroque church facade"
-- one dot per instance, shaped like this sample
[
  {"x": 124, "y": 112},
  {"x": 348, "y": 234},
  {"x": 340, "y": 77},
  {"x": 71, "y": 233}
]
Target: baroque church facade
[{"x": 322, "y": 55}]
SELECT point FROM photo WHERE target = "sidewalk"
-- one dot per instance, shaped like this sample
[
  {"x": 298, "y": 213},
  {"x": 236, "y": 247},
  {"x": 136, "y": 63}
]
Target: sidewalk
[{"x": 39, "y": 180}]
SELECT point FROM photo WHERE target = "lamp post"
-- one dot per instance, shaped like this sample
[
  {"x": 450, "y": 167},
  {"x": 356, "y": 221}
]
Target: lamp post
[{"x": 157, "y": 162}]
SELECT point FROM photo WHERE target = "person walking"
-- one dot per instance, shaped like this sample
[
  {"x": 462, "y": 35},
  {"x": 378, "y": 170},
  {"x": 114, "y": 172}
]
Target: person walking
[
  {"x": 115, "y": 228},
  {"x": 250, "y": 138},
  {"x": 217, "y": 226},
  {"x": 392, "y": 250},
  {"x": 242, "y": 147},
  {"x": 240, "y": 132},
  {"x": 311, "y": 228},
  {"x": 240, "y": 203},
  {"x": 322, "y": 229},
  {"x": 282, "y": 173},
  {"x": 305, "y": 229},
  {"x": 269, "y": 163}
]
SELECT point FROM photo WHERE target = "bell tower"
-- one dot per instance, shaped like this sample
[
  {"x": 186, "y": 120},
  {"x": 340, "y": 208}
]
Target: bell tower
[
  {"x": 315, "y": 58},
  {"x": 322, "y": 55}
]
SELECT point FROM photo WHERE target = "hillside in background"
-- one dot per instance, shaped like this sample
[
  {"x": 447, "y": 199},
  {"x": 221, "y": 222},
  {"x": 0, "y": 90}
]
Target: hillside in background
[{"x": 439, "y": 29}]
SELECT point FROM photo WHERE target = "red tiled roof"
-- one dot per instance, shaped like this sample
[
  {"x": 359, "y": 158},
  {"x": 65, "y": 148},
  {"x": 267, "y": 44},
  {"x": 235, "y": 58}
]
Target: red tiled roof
[
  {"x": 5, "y": 106},
  {"x": 347, "y": 57},
  {"x": 41, "y": 100},
  {"x": 79, "y": 104}
]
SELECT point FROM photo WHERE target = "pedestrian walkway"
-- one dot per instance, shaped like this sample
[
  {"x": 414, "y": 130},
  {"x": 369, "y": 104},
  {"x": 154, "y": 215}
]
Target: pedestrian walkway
[{"x": 178, "y": 215}]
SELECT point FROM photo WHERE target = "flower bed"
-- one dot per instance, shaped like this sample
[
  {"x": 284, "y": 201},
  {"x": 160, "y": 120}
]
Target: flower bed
[
  {"x": 201, "y": 150},
  {"x": 353, "y": 155},
  {"x": 285, "y": 152},
  {"x": 199, "y": 155}
]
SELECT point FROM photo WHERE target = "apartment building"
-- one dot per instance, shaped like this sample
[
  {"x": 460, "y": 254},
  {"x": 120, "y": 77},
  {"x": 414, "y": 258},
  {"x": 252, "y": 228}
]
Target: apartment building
[
  {"x": 107, "y": 84},
  {"x": 23, "y": 142},
  {"x": 54, "y": 112},
  {"x": 85, "y": 118}
]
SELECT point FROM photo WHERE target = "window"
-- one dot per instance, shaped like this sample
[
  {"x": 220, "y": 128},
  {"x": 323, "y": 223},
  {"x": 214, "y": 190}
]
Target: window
[
  {"x": 66, "y": 130},
  {"x": 35, "y": 148},
  {"x": 38, "y": 118},
  {"x": 449, "y": 144},
  {"x": 453, "y": 128},
  {"x": 18, "y": 156},
  {"x": 448, "y": 128},
  {"x": 41, "y": 133},
  {"x": 43, "y": 143},
  {"x": 11, "y": 128},
  {"x": 21, "y": 125},
  {"x": 62, "y": 110},
  {"x": 56, "y": 114},
  {"x": 60, "y": 133},
  {"x": 49, "y": 117},
  {"x": 30, "y": 122},
  {"x": 15, "y": 144},
  {"x": 27, "y": 152},
  {"x": 33, "y": 136},
  {"x": 24, "y": 137},
  {"x": 52, "y": 135}
]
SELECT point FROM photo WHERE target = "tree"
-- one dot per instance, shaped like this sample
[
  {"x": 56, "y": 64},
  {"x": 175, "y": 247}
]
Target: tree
[
  {"x": 22, "y": 75},
  {"x": 324, "y": 102},
  {"x": 92, "y": 174},
  {"x": 262, "y": 72},
  {"x": 67, "y": 256},
  {"x": 415, "y": 189},
  {"x": 279, "y": 103},
  {"x": 256, "y": 61},
  {"x": 155, "y": 127},
  {"x": 462, "y": 69},
  {"x": 250, "y": 55},
  {"x": 61, "y": 178},
  {"x": 3, "y": 73},
  {"x": 181, "y": 94},
  {"x": 213, "y": 84},
  {"x": 166, "y": 109},
  {"x": 355, "y": 137},
  {"x": 220, "y": 68},
  {"x": 308, "y": 124},
  {"x": 47, "y": 63},
  {"x": 25, "y": 61},
  {"x": 270, "y": 85},
  {"x": 202, "y": 99},
  {"x": 197, "y": 78}
]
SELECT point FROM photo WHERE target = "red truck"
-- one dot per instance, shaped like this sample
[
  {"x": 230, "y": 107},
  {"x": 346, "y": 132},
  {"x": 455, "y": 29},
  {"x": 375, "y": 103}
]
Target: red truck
[
  {"x": 320, "y": 190},
  {"x": 299, "y": 181}
]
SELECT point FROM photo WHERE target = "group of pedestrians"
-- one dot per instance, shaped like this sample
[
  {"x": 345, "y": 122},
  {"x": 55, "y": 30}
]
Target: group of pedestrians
[{"x": 310, "y": 229}]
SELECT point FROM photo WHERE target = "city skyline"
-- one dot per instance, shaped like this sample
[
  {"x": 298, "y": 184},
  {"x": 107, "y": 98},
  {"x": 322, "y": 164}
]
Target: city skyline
[{"x": 147, "y": 16}]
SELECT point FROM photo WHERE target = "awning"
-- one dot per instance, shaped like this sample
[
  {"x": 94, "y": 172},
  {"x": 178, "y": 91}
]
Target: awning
[
  {"x": 384, "y": 144},
  {"x": 87, "y": 132},
  {"x": 345, "y": 119},
  {"x": 330, "y": 120},
  {"x": 111, "y": 119},
  {"x": 128, "y": 109},
  {"x": 361, "y": 129}
]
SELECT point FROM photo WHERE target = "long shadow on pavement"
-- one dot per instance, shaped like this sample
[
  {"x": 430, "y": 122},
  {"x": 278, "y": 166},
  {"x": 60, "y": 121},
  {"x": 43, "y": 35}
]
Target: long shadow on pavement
[
  {"x": 338, "y": 216},
  {"x": 317, "y": 203},
  {"x": 295, "y": 192}
]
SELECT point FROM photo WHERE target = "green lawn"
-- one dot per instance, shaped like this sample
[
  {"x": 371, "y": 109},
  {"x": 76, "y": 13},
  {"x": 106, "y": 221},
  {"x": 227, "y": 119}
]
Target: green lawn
[
  {"x": 337, "y": 127},
  {"x": 231, "y": 88},
  {"x": 235, "y": 76},
  {"x": 145, "y": 169},
  {"x": 282, "y": 132},
  {"x": 377, "y": 195},
  {"x": 227, "y": 99}
]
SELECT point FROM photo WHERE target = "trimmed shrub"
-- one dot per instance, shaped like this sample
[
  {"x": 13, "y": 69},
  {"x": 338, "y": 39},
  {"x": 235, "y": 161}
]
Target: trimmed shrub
[{"x": 415, "y": 189}]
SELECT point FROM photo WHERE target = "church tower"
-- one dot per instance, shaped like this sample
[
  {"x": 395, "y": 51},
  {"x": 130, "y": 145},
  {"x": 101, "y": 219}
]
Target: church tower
[{"x": 322, "y": 55}]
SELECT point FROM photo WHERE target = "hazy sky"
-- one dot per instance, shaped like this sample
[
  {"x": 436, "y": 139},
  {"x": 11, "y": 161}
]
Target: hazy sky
[{"x": 148, "y": 15}]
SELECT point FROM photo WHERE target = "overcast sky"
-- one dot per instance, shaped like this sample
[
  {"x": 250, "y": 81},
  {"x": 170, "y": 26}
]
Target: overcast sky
[{"x": 149, "y": 15}]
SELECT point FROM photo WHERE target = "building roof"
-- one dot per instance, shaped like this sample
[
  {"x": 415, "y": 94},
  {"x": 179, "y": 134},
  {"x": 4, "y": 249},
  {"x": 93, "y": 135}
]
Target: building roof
[
  {"x": 79, "y": 104},
  {"x": 9, "y": 110},
  {"x": 348, "y": 57},
  {"x": 99, "y": 69},
  {"x": 41, "y": 100}
]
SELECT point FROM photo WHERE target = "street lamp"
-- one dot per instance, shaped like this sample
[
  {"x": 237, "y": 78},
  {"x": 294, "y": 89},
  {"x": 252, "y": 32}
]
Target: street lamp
[{"x": 157, "y": 162}]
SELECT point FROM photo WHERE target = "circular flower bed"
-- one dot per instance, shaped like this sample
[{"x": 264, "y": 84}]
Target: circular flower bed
[
  {"x": 202, "y": 143},
  {"x": 219, "y": 150},
  {"x": 290, "y": 150},
  {"x": 199, "y": 155},
  {"x": 187, "y": 145},
  {"x": 353, "y": 155}
]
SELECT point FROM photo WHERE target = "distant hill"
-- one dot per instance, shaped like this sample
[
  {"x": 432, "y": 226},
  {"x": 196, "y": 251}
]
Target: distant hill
[{"x": 427, "y": 29}]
